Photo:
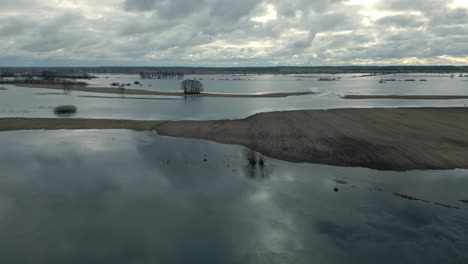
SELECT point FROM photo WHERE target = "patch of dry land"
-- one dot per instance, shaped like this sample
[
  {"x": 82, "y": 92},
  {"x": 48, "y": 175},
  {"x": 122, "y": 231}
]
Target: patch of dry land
[
  {"x": 379, "y": 138},
  {"x": 131, "y": 91},
  {"x": 413, "y": 97}
]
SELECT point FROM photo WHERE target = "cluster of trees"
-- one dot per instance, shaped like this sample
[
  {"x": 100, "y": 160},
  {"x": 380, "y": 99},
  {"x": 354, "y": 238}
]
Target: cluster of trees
[
  {"x": 65, "y": 83},
  {"x": 328, "y": 79},
  {"x": 6, "y": 74},
  {"x": 192, "y": 86},
  {"x": 120, "y": 84},
  {"x": 162, "y": 75},
  {"x": 47, "y": 75}
]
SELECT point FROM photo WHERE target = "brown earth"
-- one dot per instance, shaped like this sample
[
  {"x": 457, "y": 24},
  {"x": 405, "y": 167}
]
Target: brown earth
[{"x": 383, "y": 138}]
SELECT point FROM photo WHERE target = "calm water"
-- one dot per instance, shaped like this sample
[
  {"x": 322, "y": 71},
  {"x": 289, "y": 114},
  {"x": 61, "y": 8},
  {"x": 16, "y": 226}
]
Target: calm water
[
  {"x": 136, "y": 197},
  {"x": 348, "y": 83},
  {"x": 39, "y": 102}
]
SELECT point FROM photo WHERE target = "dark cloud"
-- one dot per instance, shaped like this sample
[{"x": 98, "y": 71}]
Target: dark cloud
[
  {"x": 14, "y": 25},
  {"x": 416, "y": 5},
  {"x": 458, "y": 16},
  {"x": 401, "y": 21},
  {"x": 141, "y": 5},
  {"x": 62, "y": 32},
  {"x": 225, "y": 32}
]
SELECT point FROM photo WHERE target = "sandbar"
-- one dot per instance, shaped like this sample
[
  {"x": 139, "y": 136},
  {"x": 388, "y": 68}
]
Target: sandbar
[
  {"x": 406, "y": 97},
  {"x": 131, "y": 91}
]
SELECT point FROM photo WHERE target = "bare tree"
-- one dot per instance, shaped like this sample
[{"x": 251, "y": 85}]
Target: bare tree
[{"x": 192, "y": 87}]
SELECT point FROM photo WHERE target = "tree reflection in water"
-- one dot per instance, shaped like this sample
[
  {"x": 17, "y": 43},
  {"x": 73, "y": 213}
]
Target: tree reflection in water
[{"x": 256, "y": 167}]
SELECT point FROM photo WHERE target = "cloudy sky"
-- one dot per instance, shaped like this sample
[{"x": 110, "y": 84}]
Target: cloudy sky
[{"x": 232, "y": 32}]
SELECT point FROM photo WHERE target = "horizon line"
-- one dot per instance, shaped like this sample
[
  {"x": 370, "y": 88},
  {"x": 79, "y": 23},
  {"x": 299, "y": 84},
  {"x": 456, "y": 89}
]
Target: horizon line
[{"x": 241, "y": 67}]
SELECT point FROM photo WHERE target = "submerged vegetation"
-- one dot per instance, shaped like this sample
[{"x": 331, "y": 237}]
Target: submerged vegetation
[
  {"x": 256, "y": 165},
  {"x": 405, "y": 80},
  {"x": 328, "y": 79},
  {"x": 250, "y": 156},
  {"x": 162, "y": 75}
]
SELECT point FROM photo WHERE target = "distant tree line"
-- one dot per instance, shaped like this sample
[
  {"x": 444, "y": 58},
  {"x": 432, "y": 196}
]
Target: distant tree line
[
  {"x": 162, "y": 75},
  {"x": 46, "y": 75},
  {"x": 246, "y": 70},
  {"x": 7, "y": 74},
  {"x": 66, "y": 84}
]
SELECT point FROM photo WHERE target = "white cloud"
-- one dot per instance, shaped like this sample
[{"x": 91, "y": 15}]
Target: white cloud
[{"x": 270, "y": 14}]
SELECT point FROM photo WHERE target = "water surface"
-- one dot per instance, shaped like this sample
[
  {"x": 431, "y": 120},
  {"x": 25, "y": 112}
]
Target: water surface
[
  {"x": 136, "y": 197},
  {"x": 26, "y": 102}
]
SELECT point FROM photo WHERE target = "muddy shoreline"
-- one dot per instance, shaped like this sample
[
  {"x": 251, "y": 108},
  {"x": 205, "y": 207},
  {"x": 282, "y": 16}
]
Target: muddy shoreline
[
  {"x": 15, "y": 124},
  {"x": 406, "y": 97},
  {"x": 131, "y": 91},
  {"x": 380, "y": 138}
]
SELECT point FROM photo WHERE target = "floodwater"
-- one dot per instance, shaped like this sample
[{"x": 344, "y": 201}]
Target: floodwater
[
  {"x": 26, "y": 102},
  {"x": 116, "y": 196},
  {"x": 136, "y": 197},
  {"x": 346, "y": 83}
]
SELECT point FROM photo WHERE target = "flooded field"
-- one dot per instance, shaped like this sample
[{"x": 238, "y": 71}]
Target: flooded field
[
  {"x": 117, "y": 196},
  {"x": 26, "y": 102}
]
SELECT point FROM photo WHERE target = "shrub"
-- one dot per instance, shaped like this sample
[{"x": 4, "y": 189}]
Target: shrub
[
  {"x": 327, "y": 79},
  {"x": 256, "y": 164},
  {"x": 65, "y": 109},
  {"x": 261, "y": 160},
  {"x": 250, "y": 156}
]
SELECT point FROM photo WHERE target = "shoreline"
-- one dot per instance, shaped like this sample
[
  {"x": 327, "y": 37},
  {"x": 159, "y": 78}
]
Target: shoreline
[
  {"x": 396, "y": 139},
  {"x": 405, "y": 97},
  {"x": 113, "y": 90},
  {"x": 134, "y": 98},
  {"x": 20, "y": 123}
]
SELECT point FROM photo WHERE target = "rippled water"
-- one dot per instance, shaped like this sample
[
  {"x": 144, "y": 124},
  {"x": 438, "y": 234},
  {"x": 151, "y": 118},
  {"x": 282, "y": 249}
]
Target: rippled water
[
  {"x": 136, "y": 197},
  {"x": 39, "y": 102}
]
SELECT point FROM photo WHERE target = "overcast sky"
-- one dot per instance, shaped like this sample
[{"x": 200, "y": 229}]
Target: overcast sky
[{"x": 232, "y": 32}]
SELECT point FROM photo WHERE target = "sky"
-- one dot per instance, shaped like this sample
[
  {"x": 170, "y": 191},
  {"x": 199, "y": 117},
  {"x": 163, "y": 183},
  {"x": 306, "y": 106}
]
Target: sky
[{"x": 233, "y": 32}]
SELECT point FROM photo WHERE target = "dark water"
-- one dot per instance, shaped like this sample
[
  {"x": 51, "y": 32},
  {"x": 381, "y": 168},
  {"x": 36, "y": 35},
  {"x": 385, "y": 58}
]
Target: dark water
[{"x": 128, "y": 197}]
